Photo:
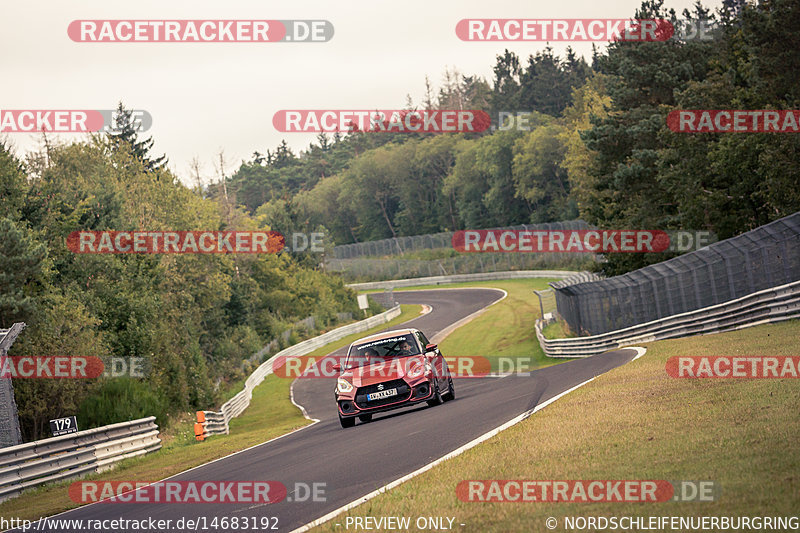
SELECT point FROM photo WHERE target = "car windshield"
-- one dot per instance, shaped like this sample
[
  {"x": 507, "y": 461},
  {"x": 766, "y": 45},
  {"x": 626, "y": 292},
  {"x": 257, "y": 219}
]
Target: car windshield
[{"x": 374, "y": 352}]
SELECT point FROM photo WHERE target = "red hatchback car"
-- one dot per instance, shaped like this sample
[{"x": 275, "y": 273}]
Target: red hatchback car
[{"x": 390, "y": 370}]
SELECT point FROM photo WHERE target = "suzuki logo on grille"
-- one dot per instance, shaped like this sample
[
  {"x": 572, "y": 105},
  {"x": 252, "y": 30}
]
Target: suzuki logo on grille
[{"x": 380, "y": 387}]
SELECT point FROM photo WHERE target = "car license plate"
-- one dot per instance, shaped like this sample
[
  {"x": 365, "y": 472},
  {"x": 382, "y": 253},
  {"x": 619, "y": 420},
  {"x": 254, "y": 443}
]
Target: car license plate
[{"x": 382, "y": 394}]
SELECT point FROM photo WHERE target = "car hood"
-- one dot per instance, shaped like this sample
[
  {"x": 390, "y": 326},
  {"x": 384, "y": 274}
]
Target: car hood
[{"x": 396, "y": 368}]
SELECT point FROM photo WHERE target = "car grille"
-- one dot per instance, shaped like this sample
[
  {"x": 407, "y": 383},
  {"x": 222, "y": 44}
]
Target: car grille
[{"x": 403, "y": 393}]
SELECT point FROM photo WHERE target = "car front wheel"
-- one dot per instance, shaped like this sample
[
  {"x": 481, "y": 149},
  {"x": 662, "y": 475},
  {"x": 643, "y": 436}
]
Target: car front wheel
[
  {"x": 451, "y": 390},
  {"x": 437, "y": 397}
]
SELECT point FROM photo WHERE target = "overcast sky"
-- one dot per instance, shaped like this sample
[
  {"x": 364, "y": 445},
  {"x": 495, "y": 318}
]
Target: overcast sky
[{"x": 207, "y": 97}]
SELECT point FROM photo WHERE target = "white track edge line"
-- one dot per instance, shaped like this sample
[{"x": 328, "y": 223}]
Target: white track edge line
[
  {"x": 458, "y": 451},
  {"x": 303, "y": 409}
]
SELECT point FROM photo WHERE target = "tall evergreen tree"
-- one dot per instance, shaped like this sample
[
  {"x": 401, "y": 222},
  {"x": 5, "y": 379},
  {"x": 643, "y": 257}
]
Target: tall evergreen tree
[
  {"x": 22, "y": 272},
  {"x": 127, "y": 132}
]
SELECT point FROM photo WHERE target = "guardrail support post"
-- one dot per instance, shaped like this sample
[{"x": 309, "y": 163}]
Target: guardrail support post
[{"x": 541, "y": 307}]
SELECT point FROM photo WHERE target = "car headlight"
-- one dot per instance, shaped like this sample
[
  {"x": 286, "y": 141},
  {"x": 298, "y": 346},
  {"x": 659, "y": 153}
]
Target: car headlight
[
  {"x": 419, "y": 369},
  {"x": 342, "y": 385}
]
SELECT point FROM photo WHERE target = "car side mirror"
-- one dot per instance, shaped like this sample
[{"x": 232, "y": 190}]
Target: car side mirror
[
  {"x": 337, "y": 367},
  {"x": 431, "y": 348}
]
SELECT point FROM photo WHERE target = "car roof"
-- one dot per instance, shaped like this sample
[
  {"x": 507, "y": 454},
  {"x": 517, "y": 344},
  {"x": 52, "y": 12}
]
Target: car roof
[{"x": 386, "y": 335}]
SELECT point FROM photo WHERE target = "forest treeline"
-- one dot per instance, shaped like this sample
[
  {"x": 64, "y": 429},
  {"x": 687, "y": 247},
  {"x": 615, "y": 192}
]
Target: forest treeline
[
  {"x": 597, "y": 145},
  {"x": 192, "y": 318}
]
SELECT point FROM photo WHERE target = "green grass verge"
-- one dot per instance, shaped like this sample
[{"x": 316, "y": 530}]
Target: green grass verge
[
  {"x": 505, "y": 329},
  {"x": 635, "y": 422},
  {"x": 555, "y": 330},
  {"x": 270, "y": 415}
]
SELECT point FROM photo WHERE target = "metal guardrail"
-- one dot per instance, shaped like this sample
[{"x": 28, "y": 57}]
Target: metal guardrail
[
  {"x": 458, "y": 278},
  {"x": 217, "y": 422},
  {"x": 765, "y": 257},
  {"x": 769, "y": 305},
  {"x": 74, "y": 455}
]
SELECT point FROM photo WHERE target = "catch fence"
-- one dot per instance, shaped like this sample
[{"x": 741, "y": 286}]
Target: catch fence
[
  {"x": 364, "y": 269},
  {"x": 760, "y": 259},
  {"x": 433, "y": 241}
]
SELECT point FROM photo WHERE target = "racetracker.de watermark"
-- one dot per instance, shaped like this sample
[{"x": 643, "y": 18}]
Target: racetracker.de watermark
[
  {"x": 586, "y": 491},
  {"x": 579, "y": 241},
  {"x": 734, "y": 121},
  {"x": 72, "y": 367},
  {"x": 458, "y": 367},
  {"x": 514, "y": 120},
  {"x": 724, "y": 366},
  {"x": 200, "y": 31},
  {"x": 175, "y": 242},
  {"x": 71, "y": 120},
  {"x": 550, "y": 30},
  {"x": 53, "y": 367},
  {"x": 695, "y": 30},
  {"x": 293, "y": 367},
  {"x": 389, "y": 121},
  {"x": 178, "y": 492}
]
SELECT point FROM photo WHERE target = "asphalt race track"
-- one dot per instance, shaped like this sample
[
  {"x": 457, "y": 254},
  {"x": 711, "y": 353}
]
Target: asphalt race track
[{"x": 356, "y": 461}]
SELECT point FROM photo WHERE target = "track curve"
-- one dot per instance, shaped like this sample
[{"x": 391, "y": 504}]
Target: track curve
[{"x": 357, "y": 461}]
